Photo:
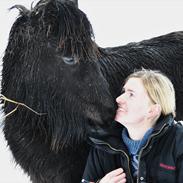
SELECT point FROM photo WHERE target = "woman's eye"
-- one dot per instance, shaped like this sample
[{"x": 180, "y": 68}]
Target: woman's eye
[{"x": 131, "y": 94}]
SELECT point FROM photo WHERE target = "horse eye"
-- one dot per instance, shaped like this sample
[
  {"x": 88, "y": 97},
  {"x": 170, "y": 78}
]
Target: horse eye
[{"x": 69, "y": 60}]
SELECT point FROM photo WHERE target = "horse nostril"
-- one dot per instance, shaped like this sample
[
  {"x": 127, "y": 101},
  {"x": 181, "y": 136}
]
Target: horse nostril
[{"x": 69, "y": 60}]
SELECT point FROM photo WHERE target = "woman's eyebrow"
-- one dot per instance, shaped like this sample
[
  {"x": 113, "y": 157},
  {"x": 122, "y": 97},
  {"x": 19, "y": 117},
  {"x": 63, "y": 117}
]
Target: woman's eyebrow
[{"x": 127, "y": 89}]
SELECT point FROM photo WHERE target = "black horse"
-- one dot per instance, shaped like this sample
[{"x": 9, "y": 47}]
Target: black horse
[{"x": 53, "y": 66}]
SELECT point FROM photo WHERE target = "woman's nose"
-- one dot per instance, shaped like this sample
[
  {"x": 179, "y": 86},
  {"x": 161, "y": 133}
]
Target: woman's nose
[{"x": 120, "y": 99}]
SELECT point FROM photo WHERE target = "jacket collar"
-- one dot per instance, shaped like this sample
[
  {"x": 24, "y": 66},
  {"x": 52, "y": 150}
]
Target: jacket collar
[
  {"x": 112, "y": 136},
  {"x": 109, "y": 137},
  {"x": 167, "y": 120}
]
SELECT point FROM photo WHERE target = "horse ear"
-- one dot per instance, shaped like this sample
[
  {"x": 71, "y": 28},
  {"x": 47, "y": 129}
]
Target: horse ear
[{"x": 75, "y": 2}]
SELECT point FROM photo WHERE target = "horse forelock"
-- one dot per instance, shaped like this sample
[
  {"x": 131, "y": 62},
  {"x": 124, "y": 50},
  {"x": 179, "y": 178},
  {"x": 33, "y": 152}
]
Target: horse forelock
[{"x": 60, "y": 24}]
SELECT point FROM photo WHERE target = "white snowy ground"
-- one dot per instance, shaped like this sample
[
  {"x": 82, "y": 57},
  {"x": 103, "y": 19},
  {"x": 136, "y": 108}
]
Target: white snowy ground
[{"x": 115, "y": 22}]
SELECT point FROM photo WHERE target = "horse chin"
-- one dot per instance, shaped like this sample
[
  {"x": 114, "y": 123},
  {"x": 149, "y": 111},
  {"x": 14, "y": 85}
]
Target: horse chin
[{"x": 96, "y": 121}]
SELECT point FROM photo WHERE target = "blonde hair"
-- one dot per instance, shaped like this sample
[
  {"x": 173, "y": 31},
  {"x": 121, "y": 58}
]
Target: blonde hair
[{"x": 159, "y": 88}]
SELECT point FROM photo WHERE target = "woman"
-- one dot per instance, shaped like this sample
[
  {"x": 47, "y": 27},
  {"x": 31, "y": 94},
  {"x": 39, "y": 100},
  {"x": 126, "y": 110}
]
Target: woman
[{"x": 144, "y": 143}]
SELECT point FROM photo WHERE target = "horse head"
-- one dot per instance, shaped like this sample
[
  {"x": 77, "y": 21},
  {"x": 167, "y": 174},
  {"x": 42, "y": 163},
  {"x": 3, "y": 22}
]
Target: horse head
[{"x": 50, "y": 65}]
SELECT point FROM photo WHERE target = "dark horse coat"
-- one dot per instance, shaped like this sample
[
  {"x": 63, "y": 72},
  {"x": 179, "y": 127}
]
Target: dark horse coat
[{"x": 53, "y": 65}]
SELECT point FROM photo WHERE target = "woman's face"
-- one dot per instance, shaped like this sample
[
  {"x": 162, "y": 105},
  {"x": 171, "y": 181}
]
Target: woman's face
[{"x": 133, "y": 104}]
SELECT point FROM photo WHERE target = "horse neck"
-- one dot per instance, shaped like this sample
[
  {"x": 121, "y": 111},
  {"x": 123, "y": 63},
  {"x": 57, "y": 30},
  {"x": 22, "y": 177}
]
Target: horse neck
[{"x": 115, "y": 69}]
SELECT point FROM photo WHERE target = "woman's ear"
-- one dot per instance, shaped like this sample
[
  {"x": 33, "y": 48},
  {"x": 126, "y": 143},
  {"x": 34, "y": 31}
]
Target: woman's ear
[{"x": 154, "y": 111}]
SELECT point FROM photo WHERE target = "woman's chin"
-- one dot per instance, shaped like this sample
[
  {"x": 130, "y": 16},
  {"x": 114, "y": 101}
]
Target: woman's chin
[{"x": 118, "y": 119}]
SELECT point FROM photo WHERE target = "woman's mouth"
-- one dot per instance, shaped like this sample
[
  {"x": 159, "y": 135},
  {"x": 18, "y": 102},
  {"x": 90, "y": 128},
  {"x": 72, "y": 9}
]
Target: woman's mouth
[{"x": 120, "y": 109}]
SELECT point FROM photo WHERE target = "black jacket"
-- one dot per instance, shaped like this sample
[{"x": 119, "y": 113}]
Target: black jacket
[{"x": 160, "y": 160}]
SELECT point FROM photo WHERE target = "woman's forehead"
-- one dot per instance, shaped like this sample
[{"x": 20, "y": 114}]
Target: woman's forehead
[{"x": 134, "y": 84}]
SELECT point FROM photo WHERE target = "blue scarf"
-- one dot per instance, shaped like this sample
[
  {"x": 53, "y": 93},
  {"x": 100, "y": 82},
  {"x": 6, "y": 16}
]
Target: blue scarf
[{"x": 134, "y": 147}]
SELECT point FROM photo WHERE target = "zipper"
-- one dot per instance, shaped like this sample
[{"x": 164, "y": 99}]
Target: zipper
[
  {"x": 146, "y": 146},
  {"x": 121, "y": 151}
]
